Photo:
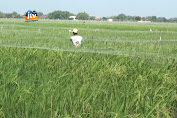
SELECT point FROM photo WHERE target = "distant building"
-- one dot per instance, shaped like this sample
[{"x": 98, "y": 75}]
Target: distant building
[
  {"x": 110, "y": 20},
  {"x": 142, "y": 21},
  {"x": 43, "y": 17},
  {"x": 72, "y": 18},
  {"x": 97, "y": 18}
]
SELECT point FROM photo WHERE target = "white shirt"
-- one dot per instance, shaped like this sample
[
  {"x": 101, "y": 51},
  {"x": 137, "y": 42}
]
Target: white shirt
[{"x": 76, "y": 39}]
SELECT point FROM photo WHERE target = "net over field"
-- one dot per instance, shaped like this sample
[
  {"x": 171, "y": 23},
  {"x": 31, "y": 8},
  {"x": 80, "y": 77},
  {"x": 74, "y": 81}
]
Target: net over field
[
  {"x": 120, "y": 70},
  {"x": 118, "y": 39},
  {"x": 128, "y": 39}
]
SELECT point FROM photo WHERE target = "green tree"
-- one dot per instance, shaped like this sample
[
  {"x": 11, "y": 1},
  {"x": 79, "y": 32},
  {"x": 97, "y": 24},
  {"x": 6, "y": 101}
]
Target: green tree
[
  {"x": 161, "y": 19},
  {"x": 152, "y": 18},
  {"x": 19, "y": 16},
  {"x": 83, "y": 16},
  {"x": 14, "y": 14},
  {"x": 92, "y": 17},
  {"x": 1, "y": 15},
  {"x": 59, "y": 15},
  {"x": 173, "y": 20},
  {"x": 8, "y": 15},
  {"x": 137, "y": 18},
  {"x": 130, "y": 18},
  {"x": 121, "y": 17},
  {"x": 104, "y": 18},
  {"x": 39, "y": 14},
  {"x": 113, "y": 17}
]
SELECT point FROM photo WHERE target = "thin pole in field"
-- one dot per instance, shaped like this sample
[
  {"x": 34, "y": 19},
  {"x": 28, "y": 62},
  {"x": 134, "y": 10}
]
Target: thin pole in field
[
  {"x": 160, "y": 35},
  {"x": 1, "y": 28},
  {"x": 53, "y": 28},
  {"x": 13, "y": 26}
]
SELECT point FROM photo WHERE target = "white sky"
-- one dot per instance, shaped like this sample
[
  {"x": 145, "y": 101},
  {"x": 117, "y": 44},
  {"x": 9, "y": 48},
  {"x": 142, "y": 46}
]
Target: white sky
[{"x": 100, "y": 8}]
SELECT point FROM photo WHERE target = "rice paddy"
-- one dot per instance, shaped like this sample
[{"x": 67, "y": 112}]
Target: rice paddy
[{"x": 121, "y": 70}]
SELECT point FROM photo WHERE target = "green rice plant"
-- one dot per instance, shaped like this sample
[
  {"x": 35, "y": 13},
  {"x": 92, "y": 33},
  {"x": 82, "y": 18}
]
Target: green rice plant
[{"x": 121, "y": 70}]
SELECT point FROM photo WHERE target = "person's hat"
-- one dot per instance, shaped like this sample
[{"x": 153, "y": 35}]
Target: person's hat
[{"x": 75, "y": 30}]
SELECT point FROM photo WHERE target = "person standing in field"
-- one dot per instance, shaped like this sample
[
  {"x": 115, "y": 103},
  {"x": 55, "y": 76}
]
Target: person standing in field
[{"x": 76, "y": 39}]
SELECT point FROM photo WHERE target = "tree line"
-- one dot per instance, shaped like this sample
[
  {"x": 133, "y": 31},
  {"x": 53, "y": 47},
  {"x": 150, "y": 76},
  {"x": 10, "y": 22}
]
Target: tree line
[{"x": 64, "y": 15}]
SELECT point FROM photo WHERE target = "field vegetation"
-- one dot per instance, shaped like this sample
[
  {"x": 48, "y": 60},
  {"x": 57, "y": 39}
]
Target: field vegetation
[{"x": 121, "y": 70}]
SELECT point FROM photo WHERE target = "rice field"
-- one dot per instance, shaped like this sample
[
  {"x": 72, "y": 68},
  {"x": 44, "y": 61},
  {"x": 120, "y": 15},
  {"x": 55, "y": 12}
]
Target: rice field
[{"x": 122, "y": 70}]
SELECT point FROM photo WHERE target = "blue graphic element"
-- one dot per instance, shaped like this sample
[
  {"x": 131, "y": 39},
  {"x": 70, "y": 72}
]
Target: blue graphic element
[
  {"x": 31, "y": 16},
  {"x": 28, "y": 12},
  {"x": 31, "y": 12},
  {"x": 34, "y": 12}
]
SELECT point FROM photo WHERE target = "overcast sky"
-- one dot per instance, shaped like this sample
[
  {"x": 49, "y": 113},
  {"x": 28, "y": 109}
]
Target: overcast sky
[{"x": 99, "y": 8}]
